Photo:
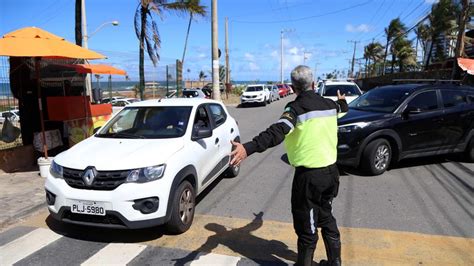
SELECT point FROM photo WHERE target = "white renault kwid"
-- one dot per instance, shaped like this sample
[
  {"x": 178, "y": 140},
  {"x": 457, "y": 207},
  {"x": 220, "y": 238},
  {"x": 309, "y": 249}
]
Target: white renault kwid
[{"x": 145, "y": 166}]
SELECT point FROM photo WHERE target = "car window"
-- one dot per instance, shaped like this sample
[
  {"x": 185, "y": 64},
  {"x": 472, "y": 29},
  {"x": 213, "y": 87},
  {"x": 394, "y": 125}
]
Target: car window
[
  {"x": 452, "y": 98},
  {"x": 348, "y": 90},
  {"x": 383, "y": 99},
  {"x": 425, "y": 101},
  {"x": 190, "y": 94},
  {"x": 201, "y": 120},
  {"x": 218, "y": 114},
  {"x": 254, "y": 88},
  {"x": 148, "y": 122}
]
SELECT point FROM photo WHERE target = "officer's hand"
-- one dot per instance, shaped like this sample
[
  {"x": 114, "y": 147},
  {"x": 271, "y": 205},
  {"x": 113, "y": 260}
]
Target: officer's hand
[
  {"x": 339, "y": 96},
  {"x": 238, "y": 154}
]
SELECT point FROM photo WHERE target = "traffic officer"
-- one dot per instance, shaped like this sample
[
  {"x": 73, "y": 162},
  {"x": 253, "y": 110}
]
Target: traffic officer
[{"x": 308, "y": 126}]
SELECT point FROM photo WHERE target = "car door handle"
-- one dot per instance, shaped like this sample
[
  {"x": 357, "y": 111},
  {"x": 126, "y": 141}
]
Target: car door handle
[
  {"x": 217, "y": 140},
  {"x": 231, "y": 130}
]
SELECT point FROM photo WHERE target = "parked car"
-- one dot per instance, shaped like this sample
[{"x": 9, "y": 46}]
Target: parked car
[
  {"x": 145, "y": 167},
  {"x": 194, "y": 93},
  {"x": 395, "y": 122},
  {"x": 274, "y": 93},
  {"x": 290, "y": 88},
  {"x": 257, "y": 93},
  {"x": 283, "y": 90},
  {"x": 329, "y": 88},
  {"x": 12, "y": 115},
  {"x": 123, "y": 102},
  {"x": 208, "y": 87},
  {"x": 110, "y": 99}
]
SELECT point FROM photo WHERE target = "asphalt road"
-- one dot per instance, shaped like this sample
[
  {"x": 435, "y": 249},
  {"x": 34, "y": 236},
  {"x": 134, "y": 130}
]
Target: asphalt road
[
  {"x": 430, "y": 195},
  {"x": 418, "y": 213}
]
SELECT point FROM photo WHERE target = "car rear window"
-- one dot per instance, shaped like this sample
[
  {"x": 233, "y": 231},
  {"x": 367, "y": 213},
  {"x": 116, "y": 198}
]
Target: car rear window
[
  {"x": 452, "y": 98},
  {"x": 190, "y": 94}
]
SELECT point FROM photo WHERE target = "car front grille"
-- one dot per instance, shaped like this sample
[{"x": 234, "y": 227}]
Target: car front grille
[
  {"x": 250, "y": 97},
  {"x": 104, "y": 180}
]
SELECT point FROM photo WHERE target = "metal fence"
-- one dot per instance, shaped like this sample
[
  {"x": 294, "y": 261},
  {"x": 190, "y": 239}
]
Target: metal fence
[{"x": 9, "y": 111}]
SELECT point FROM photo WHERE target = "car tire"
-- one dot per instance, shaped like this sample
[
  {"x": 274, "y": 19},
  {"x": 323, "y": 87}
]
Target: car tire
[
  {"x": 269, "y": 100},
  {"x": 264, "y": 103},
  {"x": 376, "y": 157},
  {"x": 470, "y": 151},
  {"x": 232, "y": 171},
  {"x": 182, "y": 209}
]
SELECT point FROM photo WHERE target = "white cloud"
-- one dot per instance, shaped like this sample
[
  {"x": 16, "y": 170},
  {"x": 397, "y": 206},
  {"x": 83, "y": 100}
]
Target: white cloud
[
  {"x": 294, "y": 50},
  {"x": 253, "y": 66},
  {"x": 431, "y": 1},
  {"x": 249, "y": 57},
  {"x": 358, "y": 28}
]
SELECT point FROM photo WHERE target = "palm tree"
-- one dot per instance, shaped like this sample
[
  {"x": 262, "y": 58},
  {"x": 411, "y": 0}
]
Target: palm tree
[
  {"x": 404, "y": 52},
  {"x": 394, "y": 29},
  {"x": 442, "y": 20},
  {"x": 202, "y": 75},
  {"x": 422, "y": 35},
  {"x": 198, "y": 10},
  {"x": 146, "y": 29},
  {"x": 373, "y": 52}
]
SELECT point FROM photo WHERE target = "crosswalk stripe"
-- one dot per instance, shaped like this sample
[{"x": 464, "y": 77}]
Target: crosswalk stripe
[
  {"x": 26, "y": 245},
  {"x": 215, "y": 259},
  {"x": 115, "y": 254}
]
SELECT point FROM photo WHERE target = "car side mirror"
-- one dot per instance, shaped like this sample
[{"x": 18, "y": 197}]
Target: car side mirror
[
  {"x": 96, "y": 129},
  {"x": 410, "y": 110},
  {"x": 201, "y": 133}
]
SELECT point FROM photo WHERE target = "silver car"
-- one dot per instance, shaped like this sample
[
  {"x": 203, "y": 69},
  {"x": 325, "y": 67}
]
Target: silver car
[{"x": 274, "y": 95}]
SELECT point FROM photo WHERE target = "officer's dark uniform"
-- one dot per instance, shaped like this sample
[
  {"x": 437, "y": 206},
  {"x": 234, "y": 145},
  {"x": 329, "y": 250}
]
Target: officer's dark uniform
[{"x": 309, "y": 128}]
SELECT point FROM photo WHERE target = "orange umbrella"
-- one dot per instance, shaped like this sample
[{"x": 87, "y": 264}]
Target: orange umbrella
[
  {"x": 97, "y": 69},
  {"x": 35, "y": 42},
  {"x": 38, "y": 43},
  {"x": 466, "y": 65}
]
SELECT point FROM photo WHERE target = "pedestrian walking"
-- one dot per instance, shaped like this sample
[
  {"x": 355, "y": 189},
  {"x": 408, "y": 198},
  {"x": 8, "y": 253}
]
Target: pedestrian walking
[{"x": 308, "y": 126}]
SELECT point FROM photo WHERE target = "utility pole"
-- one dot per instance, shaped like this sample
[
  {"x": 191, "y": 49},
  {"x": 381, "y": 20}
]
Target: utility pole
[
  {"x": 353, "y": 58},
  {"x": 463, "y": 19},
  {"x": 84, "y": 44},
  {"x": 216, "y": 93},
  {"x": 281, "y": 52},
  {"x": 227, "y": 67}
]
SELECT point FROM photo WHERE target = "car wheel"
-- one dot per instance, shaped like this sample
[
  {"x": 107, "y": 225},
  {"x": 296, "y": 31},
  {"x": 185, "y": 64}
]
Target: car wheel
[
  {"x": 269, "y": 100},
  {"x": 232, "y": 171},
  {"x": 264, "y": 102},
  {"x": 470, "y": 151},
  {"x": 376, "y": 157},
  {"x": 182, "y": 212}
]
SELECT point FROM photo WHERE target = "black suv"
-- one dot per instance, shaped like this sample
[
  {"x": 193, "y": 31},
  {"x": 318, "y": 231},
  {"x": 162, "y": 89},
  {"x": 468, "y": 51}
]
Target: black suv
[{"x": 396, "y": 122}]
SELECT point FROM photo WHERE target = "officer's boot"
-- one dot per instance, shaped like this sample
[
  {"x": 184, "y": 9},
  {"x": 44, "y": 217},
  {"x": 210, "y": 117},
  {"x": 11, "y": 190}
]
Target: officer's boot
[
  {"x": 305, "y": 256},
  {"x": 333, "y": 251}
]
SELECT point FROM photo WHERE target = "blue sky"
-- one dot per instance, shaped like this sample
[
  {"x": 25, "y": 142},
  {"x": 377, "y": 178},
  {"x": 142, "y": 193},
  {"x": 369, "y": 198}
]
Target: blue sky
[{"x": 317, "y": 29}]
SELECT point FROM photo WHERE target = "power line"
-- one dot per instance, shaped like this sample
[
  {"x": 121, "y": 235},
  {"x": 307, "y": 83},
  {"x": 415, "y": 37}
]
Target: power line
[{"x": 306, "y": 18}]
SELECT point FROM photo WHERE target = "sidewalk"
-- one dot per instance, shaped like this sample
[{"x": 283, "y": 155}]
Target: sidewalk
[{"x": 21, "y": 194}]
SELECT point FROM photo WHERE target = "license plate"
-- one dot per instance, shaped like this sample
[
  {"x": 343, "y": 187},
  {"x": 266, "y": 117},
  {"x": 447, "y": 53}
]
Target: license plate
[{"x": 88, "y": 207}]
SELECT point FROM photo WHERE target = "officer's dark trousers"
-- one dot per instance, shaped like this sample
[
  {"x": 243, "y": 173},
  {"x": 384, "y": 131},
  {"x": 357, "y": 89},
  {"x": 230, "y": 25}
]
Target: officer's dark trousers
[{"x": 311, "y": 198}]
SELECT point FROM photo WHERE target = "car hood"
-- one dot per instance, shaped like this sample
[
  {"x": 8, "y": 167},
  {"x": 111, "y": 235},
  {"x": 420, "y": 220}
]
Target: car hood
[
  {"x": 119, "y": 154},
  {"x": 354, "y": 116},
  {"x": 348, "y": 98},
  {"x": 253, "y": 93}
]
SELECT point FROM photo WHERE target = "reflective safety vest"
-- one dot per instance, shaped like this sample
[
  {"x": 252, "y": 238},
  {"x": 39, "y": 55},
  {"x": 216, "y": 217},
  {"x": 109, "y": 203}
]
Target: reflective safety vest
[{"x": 313, "y": 141}]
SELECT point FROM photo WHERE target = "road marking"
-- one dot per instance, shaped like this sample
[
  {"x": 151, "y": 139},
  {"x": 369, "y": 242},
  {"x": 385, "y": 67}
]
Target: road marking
[
  {"x": 215, "y": 260},
  {"x": 277, "y": 240},
  {"x": 26, "y": 245},
  {"x": 115, "y": 254}
]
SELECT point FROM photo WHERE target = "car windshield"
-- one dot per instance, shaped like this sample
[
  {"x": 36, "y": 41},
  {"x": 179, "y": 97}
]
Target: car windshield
[
  {"x": 254, "y": 88},
  {"x": 148, "y": 123},
  {"x": 384, "y": 100},
  {"x": 348, "y": 90}
]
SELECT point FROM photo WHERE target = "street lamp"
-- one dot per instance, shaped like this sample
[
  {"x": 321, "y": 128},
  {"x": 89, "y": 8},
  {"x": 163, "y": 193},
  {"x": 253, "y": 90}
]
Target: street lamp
[{"x": 85, "y": 38}]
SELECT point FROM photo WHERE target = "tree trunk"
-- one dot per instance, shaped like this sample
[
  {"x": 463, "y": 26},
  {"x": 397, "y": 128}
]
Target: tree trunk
[
  {"x": 187, "y": 36},
  {"x": 366, "y": 67},
  {"x": 142, "y": 53},
  {"x": 385, "y": 57},
  {"x": 77, "y": 22},
  {"x": 393, "y": 61},
  {"x": 459, "y": 52},
  {"x": 428, "y": 57}
]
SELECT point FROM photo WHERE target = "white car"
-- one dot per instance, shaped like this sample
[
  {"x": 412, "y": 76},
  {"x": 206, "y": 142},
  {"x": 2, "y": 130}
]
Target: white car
[
  {"x": 258, "y": 93},
  {"x": 274, "y": 95},
  {"x": 329, "y": 88},
  {"x": 12, "y": 115},
  {"x": 145, "y": 167}
]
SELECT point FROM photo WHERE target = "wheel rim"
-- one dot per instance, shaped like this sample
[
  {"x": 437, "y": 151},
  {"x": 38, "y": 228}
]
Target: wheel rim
[
  {"x": 186, "y": 206},
  {"x": 382, "y": 156}
]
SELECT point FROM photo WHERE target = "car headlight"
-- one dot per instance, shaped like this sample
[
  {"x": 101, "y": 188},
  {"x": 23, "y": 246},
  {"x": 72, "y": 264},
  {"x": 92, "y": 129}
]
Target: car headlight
[
  {"x": 146, "y": 174},
  {"x": 56, "y": 170},
  {"x": 352, "y": 127}
]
